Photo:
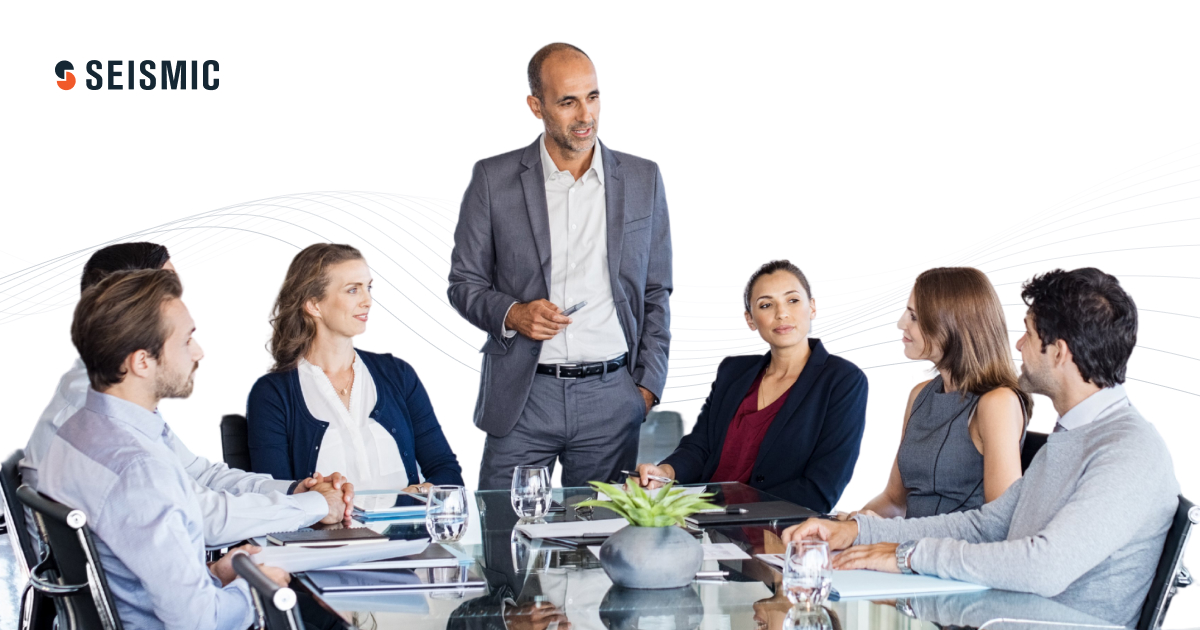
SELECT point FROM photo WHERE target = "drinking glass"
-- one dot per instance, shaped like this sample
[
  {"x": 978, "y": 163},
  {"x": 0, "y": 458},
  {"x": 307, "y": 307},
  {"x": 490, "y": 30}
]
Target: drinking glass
[
  {"x": 807, "y": 574},
  {"x": 531, "y": 491},
  {"x": 447, "y": 514}
]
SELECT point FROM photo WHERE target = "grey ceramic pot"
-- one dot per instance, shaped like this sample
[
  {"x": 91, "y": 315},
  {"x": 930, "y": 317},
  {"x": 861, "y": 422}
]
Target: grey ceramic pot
[{"x": 651, "y": 557}]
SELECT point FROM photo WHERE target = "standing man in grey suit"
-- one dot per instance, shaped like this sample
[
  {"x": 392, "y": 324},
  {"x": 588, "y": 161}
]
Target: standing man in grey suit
[{"x": 562, "y": 255}]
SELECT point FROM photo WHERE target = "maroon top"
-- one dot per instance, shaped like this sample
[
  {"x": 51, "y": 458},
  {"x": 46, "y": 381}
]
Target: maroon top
[{"x": 745, "y": 436}]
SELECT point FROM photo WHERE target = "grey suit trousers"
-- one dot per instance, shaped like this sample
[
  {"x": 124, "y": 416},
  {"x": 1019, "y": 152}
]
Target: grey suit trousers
[{"x": 590, "y": 424}]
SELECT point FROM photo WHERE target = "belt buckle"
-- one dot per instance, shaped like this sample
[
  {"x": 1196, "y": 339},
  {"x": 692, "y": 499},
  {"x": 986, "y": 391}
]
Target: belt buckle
[{"x": 558, "y": 371}]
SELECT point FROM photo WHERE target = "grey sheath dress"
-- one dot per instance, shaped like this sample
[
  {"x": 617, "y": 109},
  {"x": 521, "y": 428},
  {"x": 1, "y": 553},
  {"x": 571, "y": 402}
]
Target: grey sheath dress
[{"x": 939, "y": 465}]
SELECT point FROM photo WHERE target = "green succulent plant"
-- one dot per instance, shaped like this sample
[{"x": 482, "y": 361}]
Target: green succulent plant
[{"x": 669, "y": 507}]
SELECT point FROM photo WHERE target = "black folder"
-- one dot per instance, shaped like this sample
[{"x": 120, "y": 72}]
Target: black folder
[{"x": 755, "y": 512}]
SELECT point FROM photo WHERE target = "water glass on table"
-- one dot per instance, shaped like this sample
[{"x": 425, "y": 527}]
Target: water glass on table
[
  {"x": 531, "y": 492},
  {"x": 807, "y": 573},
  {"x": 446, "y": 514}
]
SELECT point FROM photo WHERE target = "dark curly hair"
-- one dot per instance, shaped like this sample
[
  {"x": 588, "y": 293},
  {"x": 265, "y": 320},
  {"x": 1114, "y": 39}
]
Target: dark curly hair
[{"x": 1089, "y": 310}]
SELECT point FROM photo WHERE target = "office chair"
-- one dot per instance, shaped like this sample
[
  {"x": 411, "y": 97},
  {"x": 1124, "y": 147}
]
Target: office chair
[
  {"x": 14, "y": 513},
  {"x": 1171, "y": 575},
  {"x": 659, "y": 436},
  {"x": 70, "y": 570},
  {"x": 37, "y": 610},
  {"x": 1034, "y": 442},
  {"x": 235, "y": 446},
  {"x": 275, "y": 605}
]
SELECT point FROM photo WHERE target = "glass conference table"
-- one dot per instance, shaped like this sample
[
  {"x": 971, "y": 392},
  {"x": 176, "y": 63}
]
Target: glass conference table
[{"x": 536, "y": 586}]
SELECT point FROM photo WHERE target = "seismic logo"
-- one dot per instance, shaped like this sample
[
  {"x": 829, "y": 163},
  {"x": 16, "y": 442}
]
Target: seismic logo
[{"x": 165, "y": 75}]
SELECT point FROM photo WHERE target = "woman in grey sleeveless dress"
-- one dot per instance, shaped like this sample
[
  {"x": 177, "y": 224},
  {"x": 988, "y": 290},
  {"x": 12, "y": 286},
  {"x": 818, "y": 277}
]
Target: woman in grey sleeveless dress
[{"x": 961, "y": 443}]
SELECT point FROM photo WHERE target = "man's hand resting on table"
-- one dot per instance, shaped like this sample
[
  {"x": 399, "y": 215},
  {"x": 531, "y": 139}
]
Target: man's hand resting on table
[
  {"x": 645, "y": 471},
  {"x": 338, "y": 492},
  {"x": 223, "y": 568},
  {"x": 539, "y": 320}
]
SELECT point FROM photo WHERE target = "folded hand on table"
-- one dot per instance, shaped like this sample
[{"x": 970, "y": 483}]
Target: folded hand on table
[{"x": 338, "y": 492}]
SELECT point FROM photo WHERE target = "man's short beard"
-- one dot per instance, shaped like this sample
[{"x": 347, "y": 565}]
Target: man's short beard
[
  {"x": 175, "y": 387},
  {"x": 1032, "y": 383},
  {"x": 567, "y": 142}
]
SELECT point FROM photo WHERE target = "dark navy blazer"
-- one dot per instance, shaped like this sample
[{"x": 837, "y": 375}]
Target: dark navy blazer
[
  {"x": 808, "y": 453},
  {"x": 284, "y": 437}
]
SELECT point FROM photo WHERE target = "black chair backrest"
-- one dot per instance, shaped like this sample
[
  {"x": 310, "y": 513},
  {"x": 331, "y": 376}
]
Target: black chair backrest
[
  {"x": 1033, "y": 443},
  {"x": 275, "y": 605},
  {"x": 18, "y": 529},
  {"x": 235, "y": 445},
  {"x": 1170, "y": 574},
  {"x": 71, "y": 571}
]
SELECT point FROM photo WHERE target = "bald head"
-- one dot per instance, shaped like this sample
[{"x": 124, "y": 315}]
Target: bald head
[{"x": 536, "y": 85}]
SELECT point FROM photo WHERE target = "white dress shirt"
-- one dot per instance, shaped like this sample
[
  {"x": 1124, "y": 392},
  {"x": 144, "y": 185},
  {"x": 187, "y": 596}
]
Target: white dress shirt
[
  {"x": 579, "y": 265},
  {"x": 354, "y": 443},
  {"x": 236, "y": 505},
  {"x": 1095, "y": 406}
]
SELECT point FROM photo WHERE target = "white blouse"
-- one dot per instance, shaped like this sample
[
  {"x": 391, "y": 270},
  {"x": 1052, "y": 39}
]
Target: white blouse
[{"x": 354, "y": 444}]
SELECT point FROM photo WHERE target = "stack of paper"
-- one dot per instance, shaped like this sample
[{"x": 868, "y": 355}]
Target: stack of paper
[{"x": 573, "y": 529}]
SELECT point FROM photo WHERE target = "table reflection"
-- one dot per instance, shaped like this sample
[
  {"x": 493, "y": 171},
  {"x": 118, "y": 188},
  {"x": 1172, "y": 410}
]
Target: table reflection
[{"x": 532, "y": 585}]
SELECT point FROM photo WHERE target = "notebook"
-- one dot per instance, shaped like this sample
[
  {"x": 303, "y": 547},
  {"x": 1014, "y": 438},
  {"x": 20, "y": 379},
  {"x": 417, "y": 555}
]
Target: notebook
[
  {"x": 326, "y": 537},
  {"x": 434, "y": 578},
  {"x": 764, "y": 511},
  {"x": 377, "y": 505}
]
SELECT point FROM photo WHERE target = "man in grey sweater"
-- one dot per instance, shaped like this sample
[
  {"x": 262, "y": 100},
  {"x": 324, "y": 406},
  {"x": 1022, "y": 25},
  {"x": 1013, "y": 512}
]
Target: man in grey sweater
[{"x": 1086, "y": 524}]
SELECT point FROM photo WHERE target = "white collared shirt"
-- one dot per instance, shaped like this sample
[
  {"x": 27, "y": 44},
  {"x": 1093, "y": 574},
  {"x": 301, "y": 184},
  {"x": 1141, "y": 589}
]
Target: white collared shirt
[
  {"x": 1095, "y": 406},
  {"x": 354, "y": 443},
  {"x": 579, "y": 264}
]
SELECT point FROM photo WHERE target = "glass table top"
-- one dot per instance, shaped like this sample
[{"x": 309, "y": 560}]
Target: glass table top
[{"x": 534, "y": 585}]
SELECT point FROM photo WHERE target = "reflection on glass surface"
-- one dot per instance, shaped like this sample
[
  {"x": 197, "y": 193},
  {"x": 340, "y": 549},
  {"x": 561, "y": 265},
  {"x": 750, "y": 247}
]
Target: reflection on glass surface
[{"x": 533, "y": 585}]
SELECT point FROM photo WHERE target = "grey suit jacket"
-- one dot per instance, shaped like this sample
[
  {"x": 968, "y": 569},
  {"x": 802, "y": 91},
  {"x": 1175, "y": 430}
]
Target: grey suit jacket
[{"x": 502, "y": 255}]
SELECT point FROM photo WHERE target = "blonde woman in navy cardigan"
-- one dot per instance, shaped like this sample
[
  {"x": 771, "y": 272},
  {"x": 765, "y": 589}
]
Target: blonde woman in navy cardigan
[
  {"x": 788, "y": 422},
  {"x": 328, "y": 406}
]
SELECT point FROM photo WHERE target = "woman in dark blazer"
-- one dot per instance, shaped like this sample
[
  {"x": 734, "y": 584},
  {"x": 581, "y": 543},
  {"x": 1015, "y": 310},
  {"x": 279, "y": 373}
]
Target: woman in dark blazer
[
  {"x": 328, "y": 406},
  {"x": 789, "y": 422}
]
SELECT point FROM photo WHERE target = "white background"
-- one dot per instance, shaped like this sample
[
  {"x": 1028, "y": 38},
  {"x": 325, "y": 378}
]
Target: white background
[{"x": 865, "y": 143}]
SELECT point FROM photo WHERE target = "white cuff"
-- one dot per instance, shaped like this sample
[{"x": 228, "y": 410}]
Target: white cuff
[{"x": 504, "y": 331}]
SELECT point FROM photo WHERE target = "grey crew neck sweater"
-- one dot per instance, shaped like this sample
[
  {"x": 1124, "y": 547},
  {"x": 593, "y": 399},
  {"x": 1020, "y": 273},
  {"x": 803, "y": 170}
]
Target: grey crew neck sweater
[{"x": 1085, "y": 526}]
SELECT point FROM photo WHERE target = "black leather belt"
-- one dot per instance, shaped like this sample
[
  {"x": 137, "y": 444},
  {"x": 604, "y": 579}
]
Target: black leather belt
[{"x": 580, "y": 370}]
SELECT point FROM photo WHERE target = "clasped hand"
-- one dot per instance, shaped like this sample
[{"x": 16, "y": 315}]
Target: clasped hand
[
  {"x": 841, "y": 535},
  {"x": 338, "y": 493}
]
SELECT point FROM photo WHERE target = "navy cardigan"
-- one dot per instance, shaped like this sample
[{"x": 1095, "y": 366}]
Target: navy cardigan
[
  {"x": 809, "y": 451},
  {"x": 284, "y": 437}
]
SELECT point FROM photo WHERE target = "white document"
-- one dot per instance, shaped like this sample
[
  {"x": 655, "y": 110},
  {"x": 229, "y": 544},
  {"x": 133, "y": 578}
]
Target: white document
[
  {"x": 572, "y": 529},
  {"x": 873, "y": 584},
  {"x": 712, "y": 551},
  {"x": 294, "y": 559},
  {"x": 654, "y": 493}
]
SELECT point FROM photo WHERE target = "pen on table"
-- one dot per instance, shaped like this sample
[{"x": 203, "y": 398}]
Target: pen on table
[
  {"x": 725, "y": 510},
  {"x": 570, "y": 311},
  {"x": 711, "y": 575},
  {"x": 658, "y": 478}
]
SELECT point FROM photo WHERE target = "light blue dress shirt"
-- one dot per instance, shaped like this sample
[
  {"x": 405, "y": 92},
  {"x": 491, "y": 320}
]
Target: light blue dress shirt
[
  {"x": 1093, "y": 407},
  {"x": 113, "y": 461},
  {"x": 236, "y": 505}
]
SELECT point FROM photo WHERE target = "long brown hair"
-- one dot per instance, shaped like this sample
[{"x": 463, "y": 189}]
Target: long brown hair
[
  {"x": 958, "y": 311},
  {"x": 293, "y": 329}
]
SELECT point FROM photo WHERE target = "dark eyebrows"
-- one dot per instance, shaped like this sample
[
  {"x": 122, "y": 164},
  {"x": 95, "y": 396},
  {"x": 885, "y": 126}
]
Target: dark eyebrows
[{"x": 767, "y": 297}]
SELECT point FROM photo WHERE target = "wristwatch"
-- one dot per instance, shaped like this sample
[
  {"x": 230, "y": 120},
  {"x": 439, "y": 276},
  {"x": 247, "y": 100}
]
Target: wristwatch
[{"x": 904, "y": 557}]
